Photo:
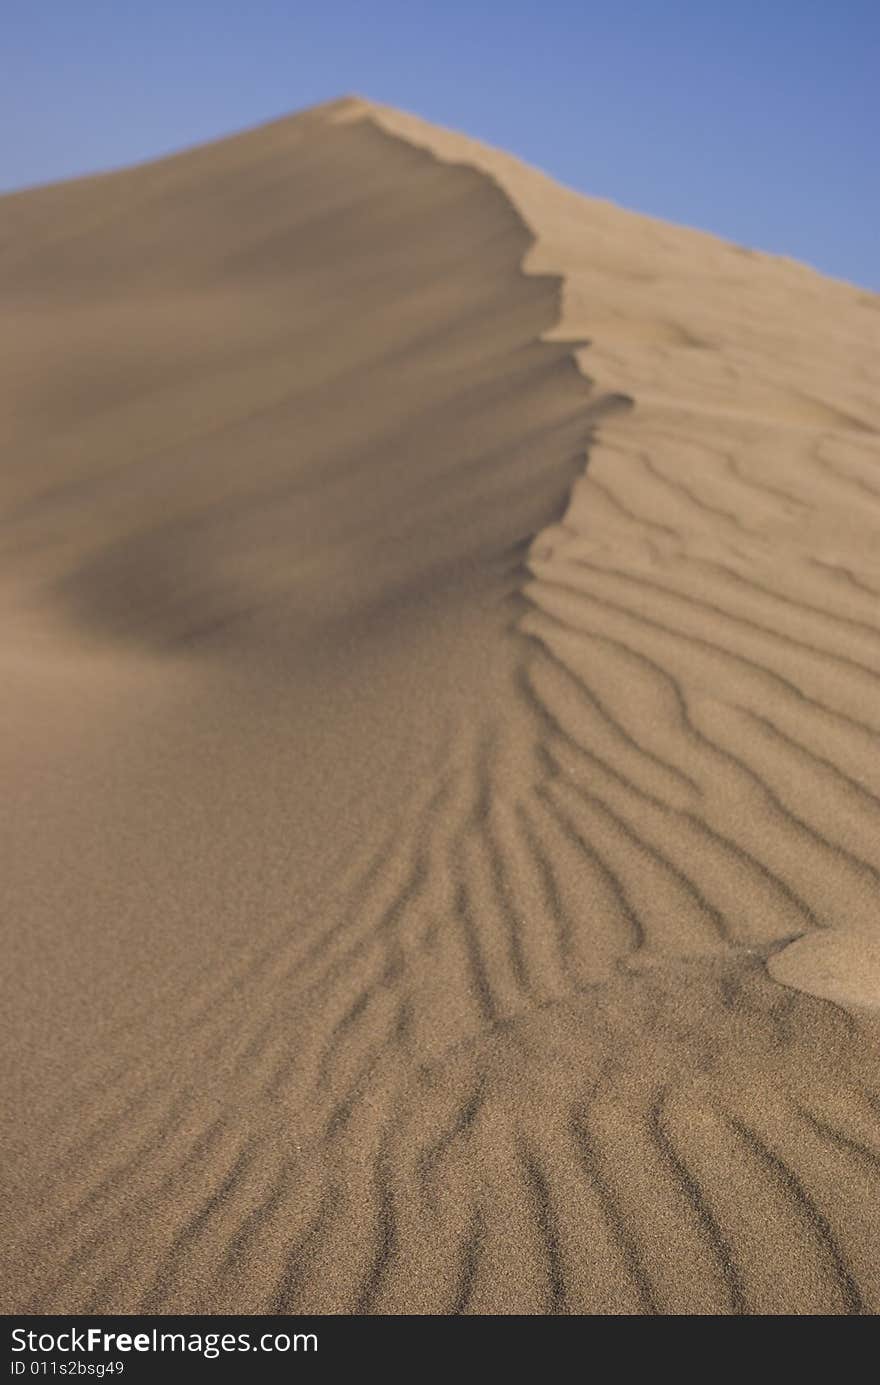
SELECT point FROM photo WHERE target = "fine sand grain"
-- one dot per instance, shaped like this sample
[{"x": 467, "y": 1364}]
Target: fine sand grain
[{"x": 440, "y": 838}]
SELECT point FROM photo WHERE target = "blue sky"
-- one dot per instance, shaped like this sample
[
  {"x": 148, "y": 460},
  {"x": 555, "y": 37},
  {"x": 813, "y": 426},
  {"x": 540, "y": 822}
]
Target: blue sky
[{"x": 758, "y": 121}]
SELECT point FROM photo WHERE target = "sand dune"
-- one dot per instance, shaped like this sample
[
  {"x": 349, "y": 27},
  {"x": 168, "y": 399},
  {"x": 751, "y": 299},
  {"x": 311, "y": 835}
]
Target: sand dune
[{"x": 440, "y": 698}]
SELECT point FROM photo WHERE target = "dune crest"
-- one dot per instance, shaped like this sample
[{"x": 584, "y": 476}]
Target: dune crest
[{"x": 441, "y": 678}]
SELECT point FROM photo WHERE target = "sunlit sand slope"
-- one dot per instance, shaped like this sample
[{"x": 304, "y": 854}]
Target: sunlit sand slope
[{"x": 441, "y": 839}]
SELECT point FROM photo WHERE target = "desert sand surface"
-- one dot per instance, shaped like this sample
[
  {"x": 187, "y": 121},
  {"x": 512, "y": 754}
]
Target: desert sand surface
[{"x": 439, "y": 674}]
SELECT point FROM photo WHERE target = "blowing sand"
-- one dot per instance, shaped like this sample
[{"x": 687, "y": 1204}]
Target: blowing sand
[{"x": 439, "y": 689}]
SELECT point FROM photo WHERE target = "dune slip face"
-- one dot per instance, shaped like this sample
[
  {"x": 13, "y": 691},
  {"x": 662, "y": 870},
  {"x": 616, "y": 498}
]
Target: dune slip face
[{"x": 440, "y": 667}]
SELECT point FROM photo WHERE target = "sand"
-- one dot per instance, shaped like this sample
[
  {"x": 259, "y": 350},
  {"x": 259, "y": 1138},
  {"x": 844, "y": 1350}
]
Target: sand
[{"x": 439, "y": 689}]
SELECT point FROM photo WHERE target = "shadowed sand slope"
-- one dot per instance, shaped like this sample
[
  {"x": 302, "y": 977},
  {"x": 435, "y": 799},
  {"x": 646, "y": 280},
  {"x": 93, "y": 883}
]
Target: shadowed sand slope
[{"x": 439, "y": 684}]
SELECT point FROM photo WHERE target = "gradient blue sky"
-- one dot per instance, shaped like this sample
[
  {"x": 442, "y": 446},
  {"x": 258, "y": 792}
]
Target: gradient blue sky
[{"x": 758, "y": 121}]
